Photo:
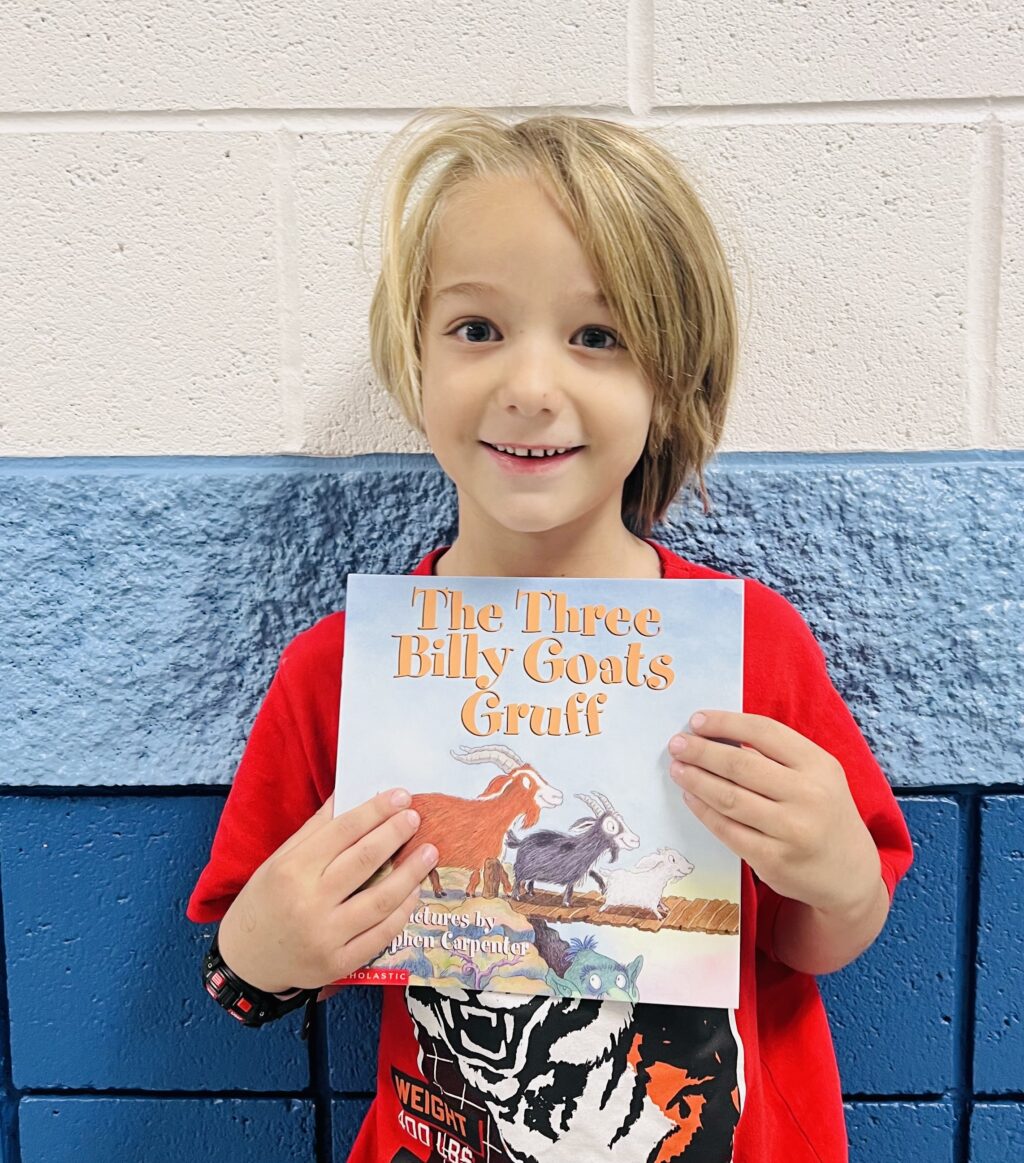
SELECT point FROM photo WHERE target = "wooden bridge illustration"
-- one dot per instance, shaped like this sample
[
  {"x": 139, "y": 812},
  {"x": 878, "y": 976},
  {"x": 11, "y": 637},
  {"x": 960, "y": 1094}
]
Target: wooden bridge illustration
[{"x": 684, "y": 915}]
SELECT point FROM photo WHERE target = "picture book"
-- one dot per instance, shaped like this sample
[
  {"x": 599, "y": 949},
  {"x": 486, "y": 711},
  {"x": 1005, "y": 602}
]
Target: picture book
[{"x": 530, "y": 719}]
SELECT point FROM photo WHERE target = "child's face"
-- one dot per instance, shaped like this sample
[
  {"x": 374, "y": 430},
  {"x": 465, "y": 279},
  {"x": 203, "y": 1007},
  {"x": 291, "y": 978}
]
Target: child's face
[{"x": 528, "y": 365}]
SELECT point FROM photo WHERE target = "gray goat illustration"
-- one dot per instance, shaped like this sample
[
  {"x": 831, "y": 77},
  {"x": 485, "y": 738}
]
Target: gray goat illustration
[{"x": 568, "y": 858}]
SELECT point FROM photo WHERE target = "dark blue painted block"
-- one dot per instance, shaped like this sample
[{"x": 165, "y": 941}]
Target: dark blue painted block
[
  {"x": 892, "y": 1010},
  {"x": 8, "y": 1125},
  {"x": 911, "y": 1132},
  {"x": 104, "y": 968},
  {"x": 347, "y": 1118},
  {"x": 8, "y": 1104},
  {"x": 999, "y": 1010},
  {"x": 997, "y": 1132},
  {"x": 353, "y": 1025},
  {"x": 166, "y": 1130}
]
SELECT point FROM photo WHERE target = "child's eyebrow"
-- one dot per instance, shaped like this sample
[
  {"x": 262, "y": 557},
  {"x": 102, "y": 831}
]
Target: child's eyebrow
[{"x": 583, "y": 296}]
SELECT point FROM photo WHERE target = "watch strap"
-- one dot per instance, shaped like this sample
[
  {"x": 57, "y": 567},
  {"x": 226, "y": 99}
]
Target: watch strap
[{"x": 246, "y": 1003}]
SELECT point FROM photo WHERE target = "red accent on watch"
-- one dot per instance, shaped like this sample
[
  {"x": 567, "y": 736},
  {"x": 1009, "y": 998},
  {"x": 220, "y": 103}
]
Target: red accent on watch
[{"x": 246, "y": 1003}]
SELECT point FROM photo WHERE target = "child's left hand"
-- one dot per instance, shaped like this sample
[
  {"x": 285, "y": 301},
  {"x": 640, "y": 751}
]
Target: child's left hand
[{"x": 781, "y": 803}]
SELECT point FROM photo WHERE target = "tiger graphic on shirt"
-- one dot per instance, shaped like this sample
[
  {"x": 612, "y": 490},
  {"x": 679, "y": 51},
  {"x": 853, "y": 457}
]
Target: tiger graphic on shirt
[{"x": 562, "y": 1079}]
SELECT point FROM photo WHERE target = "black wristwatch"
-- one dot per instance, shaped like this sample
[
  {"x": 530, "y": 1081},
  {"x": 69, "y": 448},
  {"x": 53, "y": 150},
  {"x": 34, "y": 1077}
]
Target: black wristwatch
[{"x": 246, "y": 1003}]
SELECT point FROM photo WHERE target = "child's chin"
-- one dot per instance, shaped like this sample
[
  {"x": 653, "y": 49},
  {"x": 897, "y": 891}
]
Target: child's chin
[{"x": 525, "y": 523}]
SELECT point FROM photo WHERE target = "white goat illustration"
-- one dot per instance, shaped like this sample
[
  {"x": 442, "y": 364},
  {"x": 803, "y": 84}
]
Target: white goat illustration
[{"x": 641, "y": 886}]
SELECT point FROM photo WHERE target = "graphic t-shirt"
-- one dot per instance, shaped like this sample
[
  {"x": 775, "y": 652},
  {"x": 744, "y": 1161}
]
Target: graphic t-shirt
[{"x": 483, "y": 1077}]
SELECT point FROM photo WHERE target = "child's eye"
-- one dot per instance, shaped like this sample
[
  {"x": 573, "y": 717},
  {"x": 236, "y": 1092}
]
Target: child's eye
[
  {"x": 470, "y": 323},
  {"x": 583, "y": 330},
  {"x": 603, "y": 331}
]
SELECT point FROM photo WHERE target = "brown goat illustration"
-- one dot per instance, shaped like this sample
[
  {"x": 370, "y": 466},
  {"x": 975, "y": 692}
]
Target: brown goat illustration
[{"x": 469, "y": 832}]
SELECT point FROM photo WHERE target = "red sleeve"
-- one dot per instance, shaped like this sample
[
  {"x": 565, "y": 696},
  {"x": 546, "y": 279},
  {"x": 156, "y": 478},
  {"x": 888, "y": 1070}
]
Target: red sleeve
[
  {"x": 287, "y": 769},
  {"x": 785, "y": 678}
]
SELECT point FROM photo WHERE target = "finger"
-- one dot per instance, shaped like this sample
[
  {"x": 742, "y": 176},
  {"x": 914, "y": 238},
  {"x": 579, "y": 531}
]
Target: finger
[
  {"x": 742, "y": 766},
  {"x": 315, "y": 822},
  {"x": 773, "y": 739},
  {"x": 373, "y": 941},
  {"x": 747, "y": 843},
  {"x": 730, "y": 799},
  {"x": 359, "y": 862},
  {"x": 336, "y": 835},
  {"x": 366, "y": 908}
]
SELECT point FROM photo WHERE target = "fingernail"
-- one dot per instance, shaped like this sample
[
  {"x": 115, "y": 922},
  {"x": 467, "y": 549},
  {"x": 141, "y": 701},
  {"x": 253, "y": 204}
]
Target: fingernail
[
  {"x": 428, "y": 854},
  {"x": 677, "y": 745},
  {"x": 413, "y": 818},
  {"x": 400, "y": 797},
  {"x": 697, "y": 720}
]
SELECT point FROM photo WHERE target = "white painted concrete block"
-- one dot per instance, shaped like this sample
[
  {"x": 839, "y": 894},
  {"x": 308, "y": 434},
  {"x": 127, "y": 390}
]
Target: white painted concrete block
[
  {"x": 346, "y": 411},
  {"x": 1009, "y": 407},
  {"x": 194, "y": 54},
  {"x": 849, "y": 245},
  {"x": 735, "y": 53},
  {"x": 140, "y": 281}
]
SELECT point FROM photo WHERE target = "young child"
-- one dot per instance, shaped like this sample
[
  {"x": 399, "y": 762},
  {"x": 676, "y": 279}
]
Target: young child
[{"x": 555, "y": 312}]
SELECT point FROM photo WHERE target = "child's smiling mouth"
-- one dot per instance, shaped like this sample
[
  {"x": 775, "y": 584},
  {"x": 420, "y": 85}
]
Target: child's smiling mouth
[{"x": 531, "y": 458}]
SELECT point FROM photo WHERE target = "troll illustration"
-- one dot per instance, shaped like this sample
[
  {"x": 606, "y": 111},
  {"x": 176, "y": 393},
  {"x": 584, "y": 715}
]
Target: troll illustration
[{"x": 577, "y": 969}]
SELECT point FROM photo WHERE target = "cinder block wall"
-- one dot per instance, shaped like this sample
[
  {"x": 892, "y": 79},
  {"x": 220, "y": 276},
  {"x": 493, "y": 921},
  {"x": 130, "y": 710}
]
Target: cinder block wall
[{"x": 193, "y": 455}]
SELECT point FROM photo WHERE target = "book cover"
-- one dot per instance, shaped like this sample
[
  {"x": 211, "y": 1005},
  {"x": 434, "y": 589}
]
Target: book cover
[{"x": 530, "y": 720}]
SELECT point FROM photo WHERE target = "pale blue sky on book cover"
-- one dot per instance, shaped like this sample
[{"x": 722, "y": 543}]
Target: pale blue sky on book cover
[{"x": 401, "y": 731}]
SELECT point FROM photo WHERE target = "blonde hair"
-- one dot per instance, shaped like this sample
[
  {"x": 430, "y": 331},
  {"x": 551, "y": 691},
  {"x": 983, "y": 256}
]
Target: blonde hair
[{"x": 652, "y": 247}]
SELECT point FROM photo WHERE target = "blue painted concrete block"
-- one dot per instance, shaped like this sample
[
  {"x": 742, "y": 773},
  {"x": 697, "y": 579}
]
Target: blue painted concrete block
[
  {"x": 177, "y": 588},
  {"x": 156, "y": 679},
  {"x": 353, "y": 1026},
  {"x": 910, "y": 1132},
  {"x": 999, "y": 1011},
  {"x": 892, "y": 1011},
  {"x": 347, "y": 1116},
  {"x": 99, "y": 1129},
  {"x": 997, "y": 1132},
  {"x": 103, "y": 966},
  {"x": 876, "y": 552}
]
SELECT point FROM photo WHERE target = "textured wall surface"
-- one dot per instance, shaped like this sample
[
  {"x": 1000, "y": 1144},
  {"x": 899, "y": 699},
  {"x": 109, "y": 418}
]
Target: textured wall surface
[
  {"x": 94, "y": 894},
  {"x": 187, "y": 261},
  {"x": 147, "y": 604},
  {"x": 265, "y": 1130},
  {"x": 187, "y": 268},
  {"x": 999, "y": 1033}
]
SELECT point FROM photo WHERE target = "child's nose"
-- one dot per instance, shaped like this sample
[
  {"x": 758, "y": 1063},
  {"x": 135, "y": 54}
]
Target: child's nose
[
  {"x": 530, "y": 381},
  {"x": 528, "y": 401}
]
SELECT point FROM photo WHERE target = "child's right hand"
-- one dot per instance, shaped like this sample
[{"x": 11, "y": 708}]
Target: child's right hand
[{"x": 303, "y": 920}]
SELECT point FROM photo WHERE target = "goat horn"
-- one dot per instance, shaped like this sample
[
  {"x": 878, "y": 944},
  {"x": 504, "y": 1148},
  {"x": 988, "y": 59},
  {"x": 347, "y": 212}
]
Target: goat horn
[
  {"x": 607, "y": 803},
  {"x": 468, "y": 754},
  {"x": 589, "y": 802},
  {"x": 500, "y": 747}
]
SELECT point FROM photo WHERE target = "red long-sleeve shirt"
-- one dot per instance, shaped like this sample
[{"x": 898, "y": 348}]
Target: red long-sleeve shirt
[{"x": 493, "y": 1077}]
